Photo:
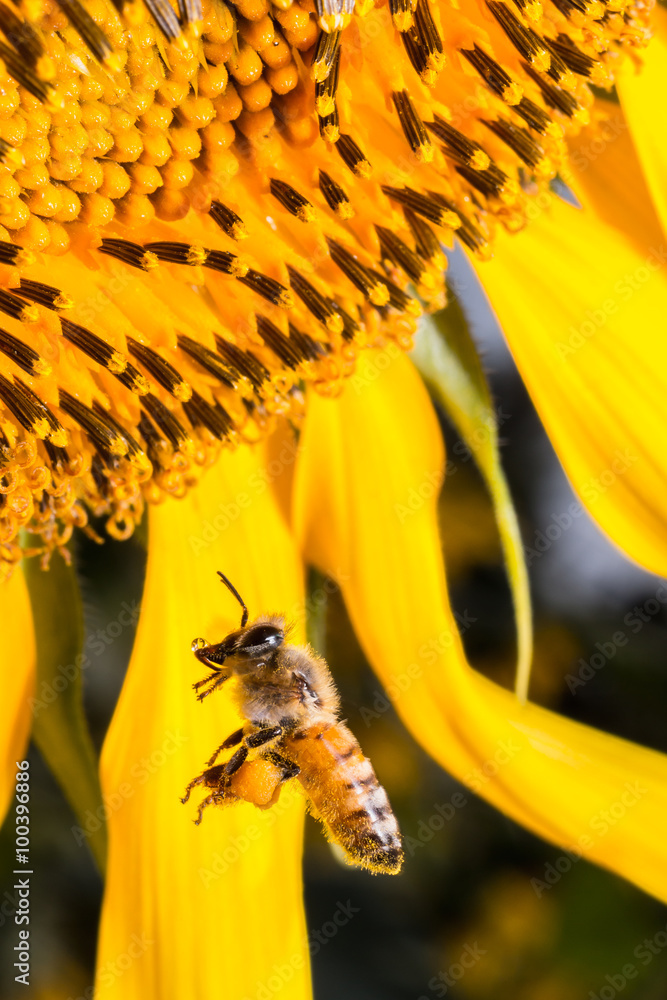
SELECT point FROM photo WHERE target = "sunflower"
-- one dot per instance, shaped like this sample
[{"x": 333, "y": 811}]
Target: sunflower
[{"x": 219, "y": 226}]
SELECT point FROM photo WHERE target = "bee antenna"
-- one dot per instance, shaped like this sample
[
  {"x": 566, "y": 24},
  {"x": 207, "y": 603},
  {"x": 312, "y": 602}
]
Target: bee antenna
[{"x": 230, "y": 586}]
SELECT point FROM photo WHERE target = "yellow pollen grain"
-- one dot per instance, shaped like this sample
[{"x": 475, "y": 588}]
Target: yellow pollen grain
[
  {"x": 306, "y": 213},
  {"x": 344, "y": 210},
  {"x": 182, "y": 392},
  {"x": 59, "y": 437},
  {"x": 425, "y": 153},
  {"x": 533, "y": 10},
  {"x": 286, "y": 300},
  {"x": 117, "y": 363},
  {"x": 331, "y": 134},
  {"x": 479, "y": 160},
  {"x": 541, "y": 60},
  {"x": 41, "y": 368},
  {"x": 414, "y": 308},
  {"x": 449, "y": 219},
  {"x": 40, "y": 427},
  {"x": 324, "y": 105},
  {"x": 363, "y": 169},
  {"x": 512, "y": 94},
  {"x": 63, "y": 301},
  {"x": 150, "y": 260},
  {"x": 403, "y": 20},
  {"x": 379, "y": 294},
  {"x": 196, "y": 255},
  {"x": 334, "y": 323},
  {"x": 118, "y": 446},
  {"x": 239, "y": 268},
  {"x": 239, "y": 231},
  {"x": 29, "y": 314},
  {"x": 140, "y": 385}
]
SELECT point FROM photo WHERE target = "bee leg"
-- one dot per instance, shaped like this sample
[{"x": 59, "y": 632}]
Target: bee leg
[
  {"x": 235, "y": 761},
  {"x": 213, "y": 798},
  {"x": 195, "y": 781},
  {"x": 216, "y": 680},
  {"x": 262, "y": 736},
  {"x": 287, "y": 767},
  {"x": 231, "y": 741}
]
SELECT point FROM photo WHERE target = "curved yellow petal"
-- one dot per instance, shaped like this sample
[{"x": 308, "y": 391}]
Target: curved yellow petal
[
  {"x": 18, "y": 640},
  {"x": 582, "y": 789},
  {"x": 641, "y": 86},
  {"x": 581, "y": 304},
  {"x": 214, "y": 910}
]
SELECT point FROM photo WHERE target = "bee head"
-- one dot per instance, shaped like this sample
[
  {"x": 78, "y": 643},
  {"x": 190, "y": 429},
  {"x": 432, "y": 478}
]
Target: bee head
[{"x": 250, "y": 642}]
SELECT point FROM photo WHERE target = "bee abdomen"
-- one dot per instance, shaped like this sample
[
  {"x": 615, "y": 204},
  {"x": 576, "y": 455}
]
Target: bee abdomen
[{"x": 347, "y": 797}]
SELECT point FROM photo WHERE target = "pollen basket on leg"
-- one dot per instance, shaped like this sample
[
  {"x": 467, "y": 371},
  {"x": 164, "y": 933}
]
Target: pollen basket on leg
[{"x": 205, "y": 205}]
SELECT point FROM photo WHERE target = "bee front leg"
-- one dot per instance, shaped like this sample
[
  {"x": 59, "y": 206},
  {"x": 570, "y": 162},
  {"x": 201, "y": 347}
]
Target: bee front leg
[{"x": 231, "y": 741}]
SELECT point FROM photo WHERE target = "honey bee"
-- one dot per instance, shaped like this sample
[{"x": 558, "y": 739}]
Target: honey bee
[{"x": 292, "y": 730}]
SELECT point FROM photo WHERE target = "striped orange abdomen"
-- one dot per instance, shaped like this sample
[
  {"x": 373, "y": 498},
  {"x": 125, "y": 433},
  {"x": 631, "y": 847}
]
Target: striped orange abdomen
[{"x": 346, "y": 795}]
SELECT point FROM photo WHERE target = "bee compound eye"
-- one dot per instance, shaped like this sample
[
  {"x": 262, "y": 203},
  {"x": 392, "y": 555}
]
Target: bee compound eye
[{"x": 260, "y": 640}]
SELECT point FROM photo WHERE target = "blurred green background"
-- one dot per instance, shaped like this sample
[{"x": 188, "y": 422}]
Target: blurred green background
[{"x": 464, "y": 920}]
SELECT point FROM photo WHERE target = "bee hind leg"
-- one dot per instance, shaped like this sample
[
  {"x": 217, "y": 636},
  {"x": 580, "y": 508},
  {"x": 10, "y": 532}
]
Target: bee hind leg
[
  {"x": 214, "y": 798},
  {"x": 231, "y": 741},
  {"x": 287, "y": 767}
]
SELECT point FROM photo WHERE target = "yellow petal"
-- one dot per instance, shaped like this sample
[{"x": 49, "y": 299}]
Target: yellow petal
[
  {"x": 580, "y": 788},
  {"x": 580, "y": 301},
  {"x": 18, "y": 640},
  {"x": 641, "y": 87},
  {"x": 214, "y": 910}
]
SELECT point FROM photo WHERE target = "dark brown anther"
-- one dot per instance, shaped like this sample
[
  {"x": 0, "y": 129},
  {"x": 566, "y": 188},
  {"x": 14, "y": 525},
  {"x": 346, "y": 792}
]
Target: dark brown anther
[
  {"x": 268, "y": 288},
  {"x": 361, "y": 276},
  {"x": 321, "y": 307},
  {"x": 244, "y": 362},
  {"x": 291, "y": 200},
  {"x": 352, "y": 157},
  {"x": 93, "y": 36},
  {"x": 23, "y": 355},
  {"x": 94, "y": 347},
  {"x": 225, "y": 263},
  {"x": 325, "y": 103},
  {"x": 214, "y": 418},
  {"x": 518, "y": 140},
  {"x": 534, "y": 116},
  {"x": 412, "y": 125},
  {"x": 457, "y": 146},
  {"x": 325, "y": 55},
  {"x": 492, "y": 73},
  {"x": 276, "y": 340},
  {"x": 423, "y": 44},
  {"x": 401, "y": 14},
  {"x": 133, "y": 447},
  {"x": 129, "y": 253},
  {"x": 30, "y": 411},
  {"x": 9, "y": 252},
  {"x": 488, "y": 182},
  {"x": 45, "y": 295},
  {"x": 423, "y": 205},
  {"x": 525, "y": 40},
  {"x": 165, "y": 421},
  {"x": 15, "y": 307},
  {"x": 553, "y": 95},
  {"x": 190, "y": 11},
  {"x": 228, "y": 221},
  {"x": 177, "y": 253},
  {"x": 399, "y": 253},
  {"x": 309, "y": 348},
  {"x": 335, "y": 196},
  {"x": 21, "y": 35},
  {"x": 207, "y": 359},
  {"x": 17, "y": 66},
  {"x": 574, "y": 58},
  {"x": 163, "y": 373},
  {"x": 165, "y": 18},
  {"x": 103, "y": 435},
  {"x": 426, "y": 242}
]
